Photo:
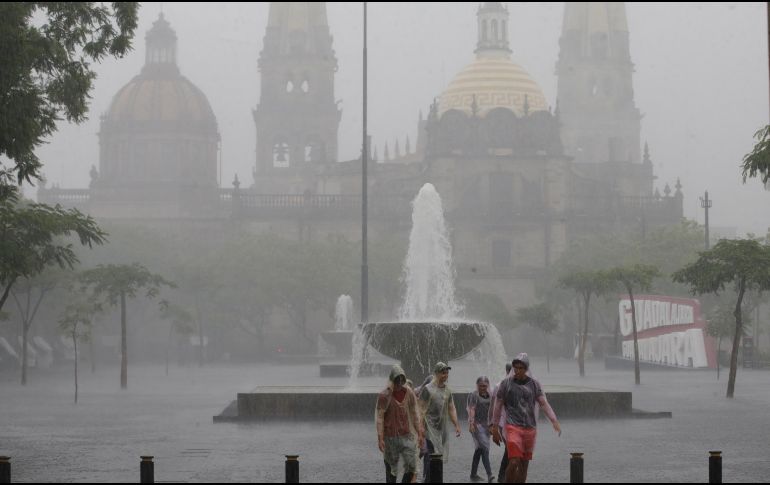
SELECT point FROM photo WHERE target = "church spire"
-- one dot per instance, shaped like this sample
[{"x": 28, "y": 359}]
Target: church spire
[{"x": 492, "y": 31}]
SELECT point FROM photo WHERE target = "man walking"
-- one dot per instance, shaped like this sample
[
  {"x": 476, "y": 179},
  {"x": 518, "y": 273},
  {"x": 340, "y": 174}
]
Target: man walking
[
  {"x": 518, "y": 395},
  {"x": 397, "y": 423},
  {"x": 438, "y": 407}
]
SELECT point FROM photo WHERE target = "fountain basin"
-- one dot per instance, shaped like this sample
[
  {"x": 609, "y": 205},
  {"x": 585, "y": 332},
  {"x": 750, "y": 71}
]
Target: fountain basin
[
  {"x": 342, "y": 340},
  {"x": 420, "y": 345}
]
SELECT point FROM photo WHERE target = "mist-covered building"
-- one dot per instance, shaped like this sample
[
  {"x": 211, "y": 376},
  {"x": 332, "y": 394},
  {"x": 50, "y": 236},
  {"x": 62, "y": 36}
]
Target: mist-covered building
[{"x": 520, "y": 175}]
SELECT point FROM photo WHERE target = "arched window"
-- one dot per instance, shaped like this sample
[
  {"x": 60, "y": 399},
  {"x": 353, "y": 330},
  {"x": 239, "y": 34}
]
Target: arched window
[
  {"x": 305, "y": 86},
  {"x": 484, "y": 30},
  {"x": 494, "y": 30},
  {"x": 504, "y": 29},
  {"x": 289, "y": 86}
]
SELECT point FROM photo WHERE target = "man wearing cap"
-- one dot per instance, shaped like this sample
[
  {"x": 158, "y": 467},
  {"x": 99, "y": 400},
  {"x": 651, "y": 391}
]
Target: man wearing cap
[
  {"x": 437, "y": 406},
  {"x": 518, "y": 394},
  {"x": 397, "y": 424}
]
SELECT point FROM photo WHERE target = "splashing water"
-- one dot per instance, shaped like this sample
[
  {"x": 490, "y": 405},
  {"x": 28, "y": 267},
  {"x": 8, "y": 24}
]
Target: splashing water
[
  {"x": 343, "y": 314},
  {"x": 429, "y": 276},
  {"x": 430, "y": 321}
]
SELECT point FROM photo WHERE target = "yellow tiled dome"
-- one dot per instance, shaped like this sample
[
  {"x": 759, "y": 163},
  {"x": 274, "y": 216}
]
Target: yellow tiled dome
[
  {"x": 496, "y": 83},
  {"x": 152, "y": 98}
]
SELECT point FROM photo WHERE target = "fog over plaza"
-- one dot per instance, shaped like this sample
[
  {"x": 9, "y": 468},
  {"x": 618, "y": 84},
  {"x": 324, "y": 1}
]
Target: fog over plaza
[
  {"x": 221, "y": 312},
  {"x": 700, "y": 83}
]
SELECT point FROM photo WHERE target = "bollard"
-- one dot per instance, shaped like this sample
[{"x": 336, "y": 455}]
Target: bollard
[
  {"x": 292, "y": 468},
  {"x": 146, "y": 470},
  {"x": 5, "y": 469},
  {"x": 715, "y": 467},
  {"x": 576, "y": 468},
  {"x": 436, "y": 471}
]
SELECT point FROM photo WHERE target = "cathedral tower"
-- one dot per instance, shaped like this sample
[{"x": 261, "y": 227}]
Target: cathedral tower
[
  {"x": 600, "y": 121},
  {"x": 297, "y": 117}
]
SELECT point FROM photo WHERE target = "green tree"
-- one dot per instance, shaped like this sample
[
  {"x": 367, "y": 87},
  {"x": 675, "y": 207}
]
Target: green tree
[
  {"x": 638, "y": 277},
  {"x": 114, "y": 284},
  {"x": 757, "y": 163},
  {"x": 743, "y": 263},
  {"x": 33, "y": 238},
  {"x": 180, "y": 323},
  {"x": 542, "y": 317},
  {"x": 76, "y": 322},
  {"x": 46, "y": 50},
  {"x": 586, "y": 284},
  {"x": 721, "y": 324},
  {"x": 28, "y": 295}
]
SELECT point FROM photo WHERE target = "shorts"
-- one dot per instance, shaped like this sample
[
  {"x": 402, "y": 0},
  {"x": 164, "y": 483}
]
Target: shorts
[
  {"x": 520, "y": 442},
  {"x": 401, "y": 448}
]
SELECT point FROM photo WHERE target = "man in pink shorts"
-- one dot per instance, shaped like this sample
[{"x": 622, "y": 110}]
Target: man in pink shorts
[{"x": 518, "y": 394}]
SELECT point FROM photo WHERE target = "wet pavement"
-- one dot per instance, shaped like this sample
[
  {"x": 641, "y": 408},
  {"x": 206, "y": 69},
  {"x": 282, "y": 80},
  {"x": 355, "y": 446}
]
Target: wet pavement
[{"x": 101, "y": 438}]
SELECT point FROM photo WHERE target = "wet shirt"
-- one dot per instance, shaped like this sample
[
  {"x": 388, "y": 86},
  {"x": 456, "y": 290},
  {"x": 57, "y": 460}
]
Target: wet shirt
[
  {"x": 519, "y": 400},
  {"x": 396, "y": 415},
  {"x": 435, "y": 402},
  {"x": 481, "y": 405}
]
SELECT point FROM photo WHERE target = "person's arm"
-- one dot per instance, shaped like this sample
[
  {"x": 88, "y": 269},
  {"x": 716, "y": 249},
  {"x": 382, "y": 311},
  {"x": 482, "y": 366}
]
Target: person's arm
[
  {"x": 380, "y": 422},
  {"x": 471, "y": 408},
  {"x": 453, "y": 415},
  {"x": 548, "y": 410},
  {"x": 416, "y": 421},
  {"x": 496, "y": 413}
]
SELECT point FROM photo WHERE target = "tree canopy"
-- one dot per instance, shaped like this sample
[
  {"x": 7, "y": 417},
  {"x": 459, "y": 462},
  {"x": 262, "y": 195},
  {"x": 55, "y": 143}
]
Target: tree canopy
[
  {"x": 745, "y": 264},
  {"x": 46, "y": 73},
  {"x": 757, "y": 162}
]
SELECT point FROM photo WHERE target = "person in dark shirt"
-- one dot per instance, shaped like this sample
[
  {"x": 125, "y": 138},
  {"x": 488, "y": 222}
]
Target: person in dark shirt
[
  {"x": 478, "y": 419},
  {"x": 519, "y": 395}
]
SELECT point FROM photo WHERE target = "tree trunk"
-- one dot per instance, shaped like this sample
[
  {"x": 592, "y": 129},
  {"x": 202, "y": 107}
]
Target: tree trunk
[
  {"x": 75, "y": 342},
  {"x": 91, "y": 353},
  {"x": 547, "y": 353},
  {"x": 719, "y": 349},
  {"x": 123, "y": 344},
  {"x": 584, "y": 337},
  {"x": 637, "y": 374},
  {"x": 736, "y": 341},
  {"x": 200, "y": 332},
  {"x": 168, "y": 344},
  {"x": 24, "y": 333}
]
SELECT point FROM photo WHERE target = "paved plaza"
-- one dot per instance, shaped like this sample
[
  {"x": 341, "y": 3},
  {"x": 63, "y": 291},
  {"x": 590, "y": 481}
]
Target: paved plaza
[{"x": 101, "y": 438}]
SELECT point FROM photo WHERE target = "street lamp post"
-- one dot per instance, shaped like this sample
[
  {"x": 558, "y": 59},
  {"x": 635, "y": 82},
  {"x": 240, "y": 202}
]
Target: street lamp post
[
  {"x": 706, "y": 204},
  {"x": 364, "y": 191}
]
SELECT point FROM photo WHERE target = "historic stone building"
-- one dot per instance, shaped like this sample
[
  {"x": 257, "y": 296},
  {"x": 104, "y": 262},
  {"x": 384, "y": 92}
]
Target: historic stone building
[{"x": 520, "y": 176}]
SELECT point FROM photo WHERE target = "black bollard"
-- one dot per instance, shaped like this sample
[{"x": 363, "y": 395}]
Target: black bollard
[
  {"x": 436, "y": 472},
  {"x": 5, "y": 469},
  {"x": 576, "y": 468},
  {"x": 715, "y": 467},
  {"x": 147, "y": 470},
  {"x": 292, "y": 468}
]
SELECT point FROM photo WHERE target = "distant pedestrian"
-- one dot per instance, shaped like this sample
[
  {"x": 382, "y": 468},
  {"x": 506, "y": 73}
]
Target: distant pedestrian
[
  {"x": 399, "y": 428},
  {"x": 517, "y": 397},
  {"x": 438, "y": 408},
  {"x": 500, "y": 425},
  {"x": 478, "y": 407}
]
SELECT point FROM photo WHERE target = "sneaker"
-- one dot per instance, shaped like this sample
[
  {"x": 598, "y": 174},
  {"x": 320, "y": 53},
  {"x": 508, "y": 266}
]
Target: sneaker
[
  {"x": 476, "y": 478},
  {"x": 490, "y": 479}
]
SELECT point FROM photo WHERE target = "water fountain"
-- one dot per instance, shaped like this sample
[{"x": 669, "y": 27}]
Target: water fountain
[
  {"x": 430, "y": 327},
  {"x": 342, "y": 335}
]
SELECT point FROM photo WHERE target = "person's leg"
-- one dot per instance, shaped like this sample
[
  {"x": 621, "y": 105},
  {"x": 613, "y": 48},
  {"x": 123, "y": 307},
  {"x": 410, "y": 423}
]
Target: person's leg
[
  {"x": 475, "y": 462},
  {"x": 523, "y": 471},
  {"x": 513, "y": 472},
  {"x": 485, "y": 461},
  {"x": 504, "y": 460},
  {"x": 408, "y": 454},
  {"x": 426, "y": 461},
  {"x": 389, "y": 476}
]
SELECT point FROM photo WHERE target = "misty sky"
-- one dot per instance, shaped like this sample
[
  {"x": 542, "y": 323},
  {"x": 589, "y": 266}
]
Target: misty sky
[{"x": 701, "y": 83}]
